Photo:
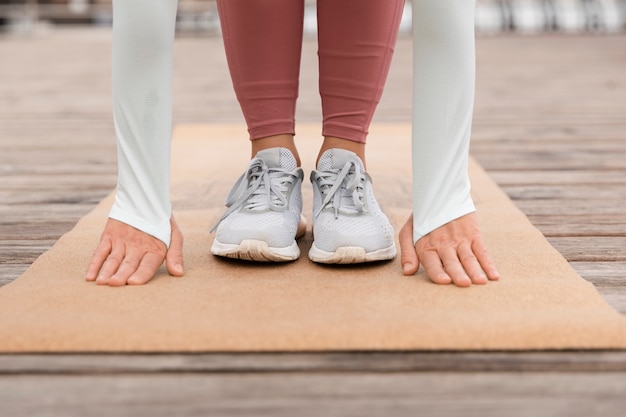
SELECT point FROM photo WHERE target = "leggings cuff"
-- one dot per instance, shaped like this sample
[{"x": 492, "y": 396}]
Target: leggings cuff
[
  {"x": 281, "y": 128},
  {"x": 344, "y": 132}
]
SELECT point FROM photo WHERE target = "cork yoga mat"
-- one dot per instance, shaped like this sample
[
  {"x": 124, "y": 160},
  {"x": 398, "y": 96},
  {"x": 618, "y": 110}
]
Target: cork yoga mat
[{"x": 225, "y": 305}]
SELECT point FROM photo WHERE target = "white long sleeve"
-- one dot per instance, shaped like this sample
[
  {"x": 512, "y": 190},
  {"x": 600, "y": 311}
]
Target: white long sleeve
[
  {"x": 143, "y": 38},
  {"x": 443, "y": 101}
]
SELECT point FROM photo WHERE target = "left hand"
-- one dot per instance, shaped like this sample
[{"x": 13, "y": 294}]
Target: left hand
[
  {"x": 453, "y": 253},
  {"x": 126, "y": 255}
]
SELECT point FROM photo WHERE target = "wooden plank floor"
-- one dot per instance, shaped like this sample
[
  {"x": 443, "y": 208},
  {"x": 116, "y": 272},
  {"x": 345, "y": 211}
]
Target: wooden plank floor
[{"x": 550, "y": 128}]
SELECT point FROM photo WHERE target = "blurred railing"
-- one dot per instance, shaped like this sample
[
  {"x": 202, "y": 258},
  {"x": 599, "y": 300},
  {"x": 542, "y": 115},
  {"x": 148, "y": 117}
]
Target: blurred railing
[
  {"x": 492, "y": 16},
  {"x": 531, "y": 16}
]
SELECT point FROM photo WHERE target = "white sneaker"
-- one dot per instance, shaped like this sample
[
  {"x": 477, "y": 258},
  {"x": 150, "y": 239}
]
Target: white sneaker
[
  {"x": 264, "y": 215},
  {"x": 348, "y": 225}
]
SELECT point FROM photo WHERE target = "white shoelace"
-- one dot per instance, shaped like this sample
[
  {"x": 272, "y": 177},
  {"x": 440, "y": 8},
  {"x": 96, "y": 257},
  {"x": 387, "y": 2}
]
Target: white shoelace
[
  {"x": 335, "y": 193},
  {"x": 259, "y": 188}
]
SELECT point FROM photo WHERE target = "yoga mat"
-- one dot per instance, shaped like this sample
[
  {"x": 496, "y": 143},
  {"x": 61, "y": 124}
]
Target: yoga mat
[{"x": 226, "y": 305}]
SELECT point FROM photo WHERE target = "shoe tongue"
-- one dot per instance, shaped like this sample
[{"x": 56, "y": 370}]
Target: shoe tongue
[
  {"x": 337, "y": 158},
  {"x": 278, "y": 158}
]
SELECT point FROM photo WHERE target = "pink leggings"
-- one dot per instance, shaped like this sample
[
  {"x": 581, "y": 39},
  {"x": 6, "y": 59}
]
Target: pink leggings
[{"x": 263, "y": 42}]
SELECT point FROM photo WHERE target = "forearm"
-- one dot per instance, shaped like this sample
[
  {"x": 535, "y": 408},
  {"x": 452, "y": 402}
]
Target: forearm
[
  {"x": 143, "y": 36},
  {"x": 443, "y": 97}
]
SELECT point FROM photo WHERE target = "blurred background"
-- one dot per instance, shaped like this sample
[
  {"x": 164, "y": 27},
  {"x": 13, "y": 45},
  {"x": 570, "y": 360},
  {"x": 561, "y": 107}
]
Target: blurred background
[{"x": 200, "y": 16}]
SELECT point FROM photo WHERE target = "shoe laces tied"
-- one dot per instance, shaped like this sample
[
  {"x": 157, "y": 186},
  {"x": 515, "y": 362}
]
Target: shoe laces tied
[
  {"x": 332, "y": 186},
  {"x": 259, "y": 188}
]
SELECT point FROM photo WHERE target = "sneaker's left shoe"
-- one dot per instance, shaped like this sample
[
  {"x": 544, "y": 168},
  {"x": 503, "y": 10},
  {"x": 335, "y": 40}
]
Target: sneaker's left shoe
[{"x": 348, "y": 225}]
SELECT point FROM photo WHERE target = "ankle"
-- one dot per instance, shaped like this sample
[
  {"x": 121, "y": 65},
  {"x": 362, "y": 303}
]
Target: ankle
[
  {"x": 277, "y": 141},
  {"x": 331, "y": 142}
]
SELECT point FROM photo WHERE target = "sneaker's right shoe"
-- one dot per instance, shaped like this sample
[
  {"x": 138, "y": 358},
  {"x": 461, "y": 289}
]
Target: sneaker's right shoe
[
  {"x": 264, "y": 215},
  {"x": 348, "y": 225}
]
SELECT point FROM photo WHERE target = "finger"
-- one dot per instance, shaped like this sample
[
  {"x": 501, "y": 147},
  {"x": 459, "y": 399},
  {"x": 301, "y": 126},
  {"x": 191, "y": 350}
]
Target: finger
[
  {"x": 174, "y": 255},
  {"x": 470, "y": 263},
  {"x": 453, "y": 267},
  {"x": 128, "y": 266},
  {"x": 487, "y": 264},
  {"x": 110, "y": 265},
  {"x": 408, "y": 255},
  {"x": 433, "y": 267},
  {"x": 97, "y": 259},
  {"x": 147, "y": 268}
]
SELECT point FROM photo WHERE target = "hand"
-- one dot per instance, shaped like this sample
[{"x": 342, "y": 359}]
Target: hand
[
  {"x": 453, "y": 253},
  {"x": 126, "y": 255}
]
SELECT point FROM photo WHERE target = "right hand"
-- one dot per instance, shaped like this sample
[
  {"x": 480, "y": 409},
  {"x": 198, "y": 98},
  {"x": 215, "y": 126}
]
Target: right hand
[{"x": 126, "y": 255}]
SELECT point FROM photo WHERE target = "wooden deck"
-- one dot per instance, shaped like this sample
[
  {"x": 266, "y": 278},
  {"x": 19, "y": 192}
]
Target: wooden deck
[{"x": 550, "y": 128}]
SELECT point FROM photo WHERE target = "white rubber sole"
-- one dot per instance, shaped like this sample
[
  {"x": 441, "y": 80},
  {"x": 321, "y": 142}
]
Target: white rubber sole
[
  {"x": 256, "y": 250},
  {"x": 351, "y": 255}
]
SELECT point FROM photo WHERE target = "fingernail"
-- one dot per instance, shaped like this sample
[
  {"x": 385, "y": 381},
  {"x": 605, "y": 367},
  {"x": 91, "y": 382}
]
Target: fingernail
[
  {"x": 406, "y": 268},
  {"x": 176, "y": 270}
]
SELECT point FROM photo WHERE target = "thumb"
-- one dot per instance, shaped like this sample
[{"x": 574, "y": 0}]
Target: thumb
[
  {"x": 408, "y": 255},
  {"x": 174, "y": 256}
]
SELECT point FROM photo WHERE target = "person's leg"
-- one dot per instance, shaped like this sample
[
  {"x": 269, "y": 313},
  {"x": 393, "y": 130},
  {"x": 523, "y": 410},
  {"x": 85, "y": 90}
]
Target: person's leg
[
  {"x": 263, "y": 40},
  {"x": 356, "y": 42}
]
